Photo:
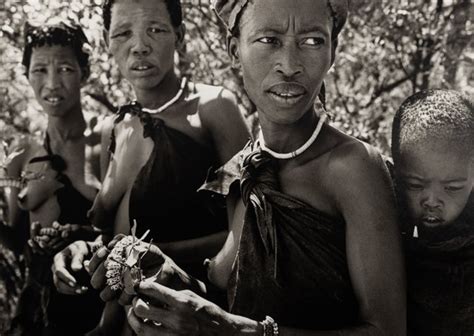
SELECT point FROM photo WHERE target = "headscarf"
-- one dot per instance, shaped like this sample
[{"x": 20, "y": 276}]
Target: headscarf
[{"x": 230, "y": 10}]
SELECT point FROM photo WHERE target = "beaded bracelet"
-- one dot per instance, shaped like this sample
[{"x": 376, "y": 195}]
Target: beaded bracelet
[{"x": 270, "y": 327}]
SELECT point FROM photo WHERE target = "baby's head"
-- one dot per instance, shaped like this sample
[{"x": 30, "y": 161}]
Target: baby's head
[{"x": 433, "y": 153}]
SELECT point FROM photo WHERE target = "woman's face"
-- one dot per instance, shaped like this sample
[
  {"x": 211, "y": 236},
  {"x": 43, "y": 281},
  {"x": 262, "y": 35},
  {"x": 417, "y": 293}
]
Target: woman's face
[
  {"x": 55, "y": 76},
  {"x": 142, "y": 40},
  {"x": 284, "y": 49}
]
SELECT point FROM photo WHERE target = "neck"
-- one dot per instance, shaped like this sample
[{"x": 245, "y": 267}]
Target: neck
[
  {"x": 285, "y": 138},
  {"x": 67, "y": 127},
  {"x": 155, "y": 97}
]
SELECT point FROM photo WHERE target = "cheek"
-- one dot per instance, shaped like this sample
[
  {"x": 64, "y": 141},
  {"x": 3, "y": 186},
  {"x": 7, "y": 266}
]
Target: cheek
[
  {"x": 411, "y": 203},
  {"x": 35, "y": 84}
]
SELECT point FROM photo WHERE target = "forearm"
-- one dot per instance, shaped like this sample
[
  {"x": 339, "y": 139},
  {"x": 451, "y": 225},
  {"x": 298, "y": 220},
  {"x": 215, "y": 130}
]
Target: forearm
[
  {"x": 194, "y": 250},
  {"x": 363, "y": 330},
  {"x": 248, "y": 327}
]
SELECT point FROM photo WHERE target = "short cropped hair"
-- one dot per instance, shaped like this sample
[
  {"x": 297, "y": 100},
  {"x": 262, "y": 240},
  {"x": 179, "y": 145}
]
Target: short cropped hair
[
  {"x": 434, "y": 114},
  {"x": 173, "y": 6},
  {"x": 53, "y": 33}
]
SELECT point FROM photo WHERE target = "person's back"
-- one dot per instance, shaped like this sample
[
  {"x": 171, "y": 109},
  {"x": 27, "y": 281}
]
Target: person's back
[{"x": 433, "y": 152}]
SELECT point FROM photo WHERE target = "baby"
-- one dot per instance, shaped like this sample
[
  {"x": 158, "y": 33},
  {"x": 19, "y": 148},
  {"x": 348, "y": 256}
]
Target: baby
[{"x": 433, "y": 153}]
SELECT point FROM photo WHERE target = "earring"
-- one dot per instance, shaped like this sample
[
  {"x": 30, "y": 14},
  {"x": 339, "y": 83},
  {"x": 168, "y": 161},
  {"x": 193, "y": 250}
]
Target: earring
[{"x": 415, "y": 232}]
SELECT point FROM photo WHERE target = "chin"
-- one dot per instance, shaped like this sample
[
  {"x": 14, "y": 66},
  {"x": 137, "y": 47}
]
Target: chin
[{"x": 145, "y": 83}]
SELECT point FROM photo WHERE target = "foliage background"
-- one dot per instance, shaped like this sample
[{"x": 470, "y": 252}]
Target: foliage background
[{"x": 388, "y": 50}]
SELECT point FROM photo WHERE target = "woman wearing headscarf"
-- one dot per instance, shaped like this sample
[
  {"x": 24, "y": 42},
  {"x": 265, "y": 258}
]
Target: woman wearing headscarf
[{"x": 314, "y": 247}]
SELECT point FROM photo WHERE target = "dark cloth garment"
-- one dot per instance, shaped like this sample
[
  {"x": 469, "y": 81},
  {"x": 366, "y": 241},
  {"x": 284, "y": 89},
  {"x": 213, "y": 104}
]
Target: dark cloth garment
[
  {"x": 291, "y": 262},
  {"x": 11, "y": 281},
  {"x": 440, "y": 269},
  {"x": 42, "y": 310},
  {"x": 164, "y": 196}
]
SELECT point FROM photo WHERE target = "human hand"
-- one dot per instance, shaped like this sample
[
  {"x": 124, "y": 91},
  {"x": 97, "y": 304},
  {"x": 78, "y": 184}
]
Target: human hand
[
  {"x": 159, "y": 310},
  {"x": 140, "y": 261},
  {"x": 49, "y": 240},
  {"x": 69, "y": 275}
]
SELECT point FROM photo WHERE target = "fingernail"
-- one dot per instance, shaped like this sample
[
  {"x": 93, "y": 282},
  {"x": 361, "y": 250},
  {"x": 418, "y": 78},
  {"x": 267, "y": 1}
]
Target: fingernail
[
  {"x": 72, "y": 283},
  {"x": 79, "y": 291}
]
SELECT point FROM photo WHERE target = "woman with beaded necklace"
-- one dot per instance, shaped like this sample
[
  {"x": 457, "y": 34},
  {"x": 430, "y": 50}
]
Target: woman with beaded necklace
[
  {"x": 314, "y": 241},
  {"x": 164, "y": 144}
]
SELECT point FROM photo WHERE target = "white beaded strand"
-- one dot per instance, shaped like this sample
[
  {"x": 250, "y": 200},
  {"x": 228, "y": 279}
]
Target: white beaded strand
[
  {"x": 295, "y": 153},
  {"x": 171, "y": 101}
]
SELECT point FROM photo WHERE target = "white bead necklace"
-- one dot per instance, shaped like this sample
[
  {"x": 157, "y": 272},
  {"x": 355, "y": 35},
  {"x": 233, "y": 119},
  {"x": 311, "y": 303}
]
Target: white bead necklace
[
  {"x": 169, "y": 102},
  {"x": 295, "y": 153}
]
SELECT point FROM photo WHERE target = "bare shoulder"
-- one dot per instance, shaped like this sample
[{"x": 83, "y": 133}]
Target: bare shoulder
[
  {"x": 355, "y": 166},
  {"x": 222, "y": 119},
  {"x": 212, "y": 94},
  {"x": 353, "y": 156},
  {"x": 216, "y": 101}
]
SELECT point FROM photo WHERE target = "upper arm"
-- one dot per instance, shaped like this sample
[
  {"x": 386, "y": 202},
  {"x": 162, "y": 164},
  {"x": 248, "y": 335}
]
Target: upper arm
[
  {"x": 364, "y": 195},
  {"x": 106, "y": 131},
  {"x": 226, "y": 125}
]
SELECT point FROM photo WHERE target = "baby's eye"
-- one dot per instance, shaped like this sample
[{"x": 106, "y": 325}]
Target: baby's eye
[
  {"x": 413, "y": 186},
  {"x": 313, "y": 41},
  {"x": 453, "y": 188}
]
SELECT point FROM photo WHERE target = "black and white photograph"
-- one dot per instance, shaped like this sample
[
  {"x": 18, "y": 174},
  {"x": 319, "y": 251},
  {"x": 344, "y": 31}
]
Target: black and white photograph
[{"x": 237, "y": 167}]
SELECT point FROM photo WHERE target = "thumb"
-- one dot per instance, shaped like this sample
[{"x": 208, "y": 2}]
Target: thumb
[
  {"x": 77, "y": 261},
  {"x": 156, "y": 293}
]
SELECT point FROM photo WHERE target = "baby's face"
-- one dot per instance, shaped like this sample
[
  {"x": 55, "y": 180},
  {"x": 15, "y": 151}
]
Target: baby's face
[{"x": 436, "y": 182}]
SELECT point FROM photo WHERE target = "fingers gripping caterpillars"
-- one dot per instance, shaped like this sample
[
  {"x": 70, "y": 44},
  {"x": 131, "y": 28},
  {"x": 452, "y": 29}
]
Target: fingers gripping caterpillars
[{"x": 123, "y": 262}]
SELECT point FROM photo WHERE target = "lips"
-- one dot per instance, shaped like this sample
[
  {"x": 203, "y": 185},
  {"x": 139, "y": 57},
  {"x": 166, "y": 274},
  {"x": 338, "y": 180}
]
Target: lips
[
  {"x": 53, "y": 99},
  {"x": 430, "y": 220},
  {"x": 287, "y": 93},
  {"x": 141, "y": 66}
]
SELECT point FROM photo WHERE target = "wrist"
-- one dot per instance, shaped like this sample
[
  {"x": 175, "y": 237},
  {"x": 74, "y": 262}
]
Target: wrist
[{"x": 243, "y": 326}]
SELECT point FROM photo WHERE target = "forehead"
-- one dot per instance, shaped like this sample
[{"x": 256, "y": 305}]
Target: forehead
[
  {"x": 57, "y": 53},
  {"x": 138, "y": 11},
  {"x": 437, "y": 159},
  {"x": 283, "y": 15}
]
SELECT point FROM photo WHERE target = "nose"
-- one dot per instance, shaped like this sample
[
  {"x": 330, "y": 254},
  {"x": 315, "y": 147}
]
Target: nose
[
  {"x": 288, "y": 62},
  {"x": 53, "y": 80},
  {"x": 431, "y": 200},
  {"x": 141, "y": 46}
]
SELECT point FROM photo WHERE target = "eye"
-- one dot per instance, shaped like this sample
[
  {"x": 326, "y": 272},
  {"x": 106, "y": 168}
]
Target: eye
[
  {"x": 313, "y": 41},
  {"x": 453, "y": 188},
  {"x": 157, "y": 30},
  {"x": 413, "y": 186},
  {"x": 66, "y": 69},
  {"x": 38, "y": 70},
  {"x": 120, "y": 34},
  {"x": 268, "y": 40}
]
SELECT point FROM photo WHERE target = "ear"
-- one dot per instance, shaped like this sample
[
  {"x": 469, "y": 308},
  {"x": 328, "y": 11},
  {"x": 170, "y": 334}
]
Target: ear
[
  {"x": 180, "y": 32},
  {"x": 105, "y": 35},
  {"x": 85, "y": 72},
  {"x": 233, "y": 50},
  {"x": 333, "y": 50}
]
